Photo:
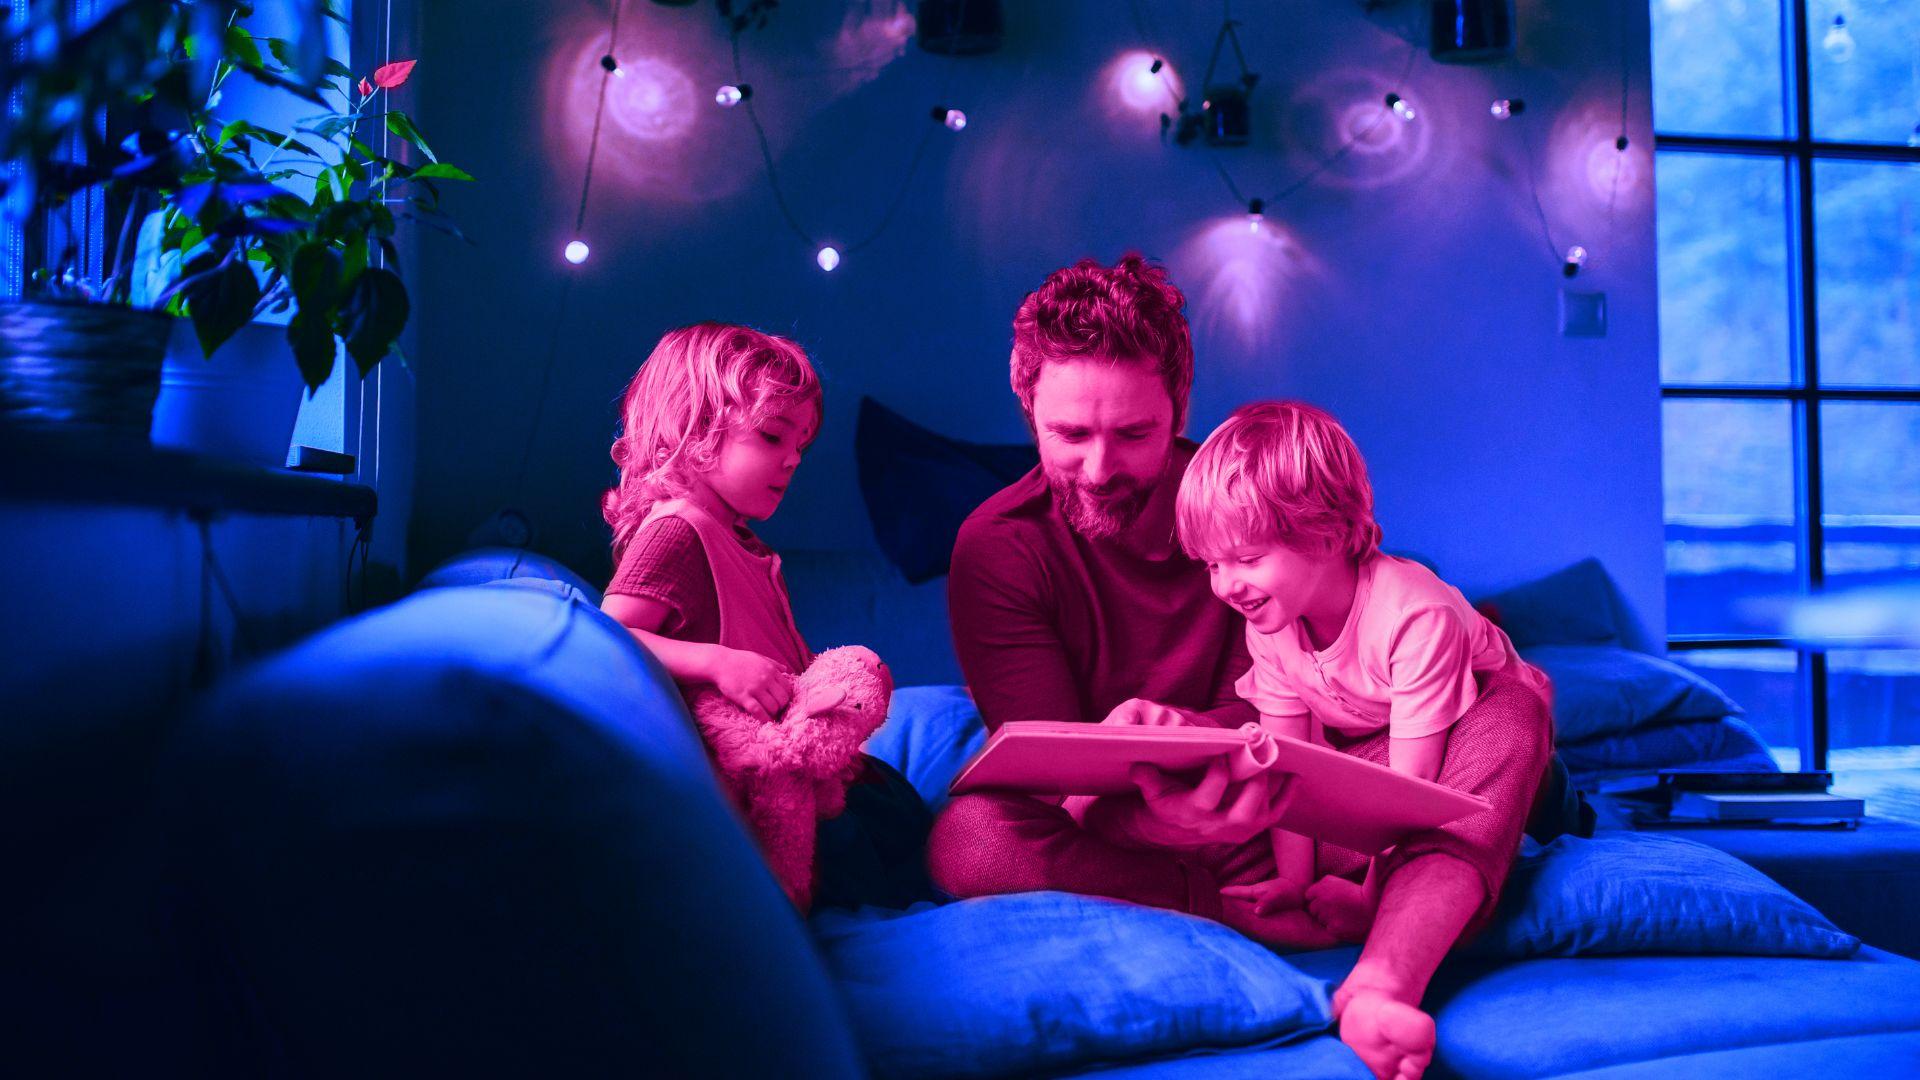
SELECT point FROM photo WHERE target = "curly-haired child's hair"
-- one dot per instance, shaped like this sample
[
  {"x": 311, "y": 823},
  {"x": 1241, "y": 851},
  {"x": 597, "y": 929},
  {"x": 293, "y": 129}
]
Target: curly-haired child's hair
[
  {"x": 1279, "y": 471},
  {"x": 1088, "y": 311},
  {"x": 699, "y": 383}
]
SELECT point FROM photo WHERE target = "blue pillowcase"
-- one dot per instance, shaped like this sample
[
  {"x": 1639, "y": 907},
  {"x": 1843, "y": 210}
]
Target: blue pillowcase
[
  {"x": 1572, "y": 606},
  {"x": 1626, "y": 892},
  {"x": 1601, "y": 690},
  {"x": 482, "y": 565},
  {"x": 931, "y": 731},
  {"x": 1045, "y": 982},
  {"x": 920, "y": 485}
]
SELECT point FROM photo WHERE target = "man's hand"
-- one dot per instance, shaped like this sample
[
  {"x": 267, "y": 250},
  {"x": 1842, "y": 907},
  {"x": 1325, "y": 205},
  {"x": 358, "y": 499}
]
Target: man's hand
[
  {"x": 1217, "y": 810},
  {"x": 1143, "y": 713}
]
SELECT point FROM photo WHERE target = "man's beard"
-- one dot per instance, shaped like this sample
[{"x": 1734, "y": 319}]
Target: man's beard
[{"x": 1107, "y": 514}]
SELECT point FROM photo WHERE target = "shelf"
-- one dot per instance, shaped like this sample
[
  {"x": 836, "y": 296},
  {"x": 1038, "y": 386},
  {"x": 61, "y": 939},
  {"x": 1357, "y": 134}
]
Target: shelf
[{"x": 37, "y": 467}]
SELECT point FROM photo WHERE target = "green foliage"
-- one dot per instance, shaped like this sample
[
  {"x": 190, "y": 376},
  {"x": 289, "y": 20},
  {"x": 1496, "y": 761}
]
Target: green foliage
[{"x": 252, "y": 219}]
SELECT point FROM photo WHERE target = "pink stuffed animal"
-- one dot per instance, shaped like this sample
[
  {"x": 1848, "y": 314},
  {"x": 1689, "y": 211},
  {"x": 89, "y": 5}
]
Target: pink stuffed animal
[{"x": 789, "y": 774}]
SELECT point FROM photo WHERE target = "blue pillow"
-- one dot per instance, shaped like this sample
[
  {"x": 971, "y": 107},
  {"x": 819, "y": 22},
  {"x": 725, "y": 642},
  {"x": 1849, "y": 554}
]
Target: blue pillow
[
  {"x": 482, "y": 565},
  {"x": 1045, "y": 982},
  {"x": 930, "y": 732},
  {"x": 920, "y": 485},
  {"x": 1571, "y": 606},
  {"x": 1626, "y": 892},
  {"x": 1603, "y": 690}
]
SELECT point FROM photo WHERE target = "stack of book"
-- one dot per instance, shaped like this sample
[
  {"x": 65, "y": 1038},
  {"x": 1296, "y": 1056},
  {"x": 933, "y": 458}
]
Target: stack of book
[{"x": 1683, "y": 797}]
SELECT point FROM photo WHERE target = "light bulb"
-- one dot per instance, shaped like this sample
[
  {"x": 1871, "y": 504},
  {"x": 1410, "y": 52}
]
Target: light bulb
[
  {"x": 576, "y": 252},
  {"x": 1256, "y": 213},
  {"x": 1839, "y": 40},
  {"x": 1576, "y": 258},
  {"x": 953, "y": 118},
  {"x": 1503, "y": 109},
  {"x": 828, "y": 258},
  {"x": 1400, "y": 107},
  {"x": 730, "y": 95}
]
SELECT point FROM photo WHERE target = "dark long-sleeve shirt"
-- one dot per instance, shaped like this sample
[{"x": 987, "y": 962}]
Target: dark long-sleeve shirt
[{"x": 1051, "y": 626}]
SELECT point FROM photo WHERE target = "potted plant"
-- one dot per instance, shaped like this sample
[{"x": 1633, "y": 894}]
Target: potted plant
[{"x": 252, "y": 220}]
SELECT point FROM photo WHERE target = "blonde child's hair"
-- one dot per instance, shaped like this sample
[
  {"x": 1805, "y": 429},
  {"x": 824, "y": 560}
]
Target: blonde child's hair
[
  {"x": 699, "y": 383},
  {"x": 1282, "y": 472}
]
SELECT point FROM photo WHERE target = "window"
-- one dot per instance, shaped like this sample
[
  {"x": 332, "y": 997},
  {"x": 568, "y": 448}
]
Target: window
[{"x": 1788, "y": 179}]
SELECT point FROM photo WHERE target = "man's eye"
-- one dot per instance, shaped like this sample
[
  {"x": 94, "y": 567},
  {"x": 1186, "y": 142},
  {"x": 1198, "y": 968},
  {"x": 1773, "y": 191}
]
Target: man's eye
[{"x": 1133, "y": 436}]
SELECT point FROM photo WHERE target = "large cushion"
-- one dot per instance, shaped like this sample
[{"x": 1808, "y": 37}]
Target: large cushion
[
  {"x": 1603, "y": 690},
  {"x": 1726, "y": 744},
  {"x": 920, "y": 485},
  {"x": 482, "y": 565},
  {"x": 1041, "y": 982},
  {"x": 474, "y": 833},
  {"x": 1548, "y": 1017},
  {"x": 858, "y": 598},
  {"x": 931, "y": 731},
  {"x": 1847, "y": 1057},
  {"x": 1623, "y": 892},
  {"x": 1577, "y": 605}
]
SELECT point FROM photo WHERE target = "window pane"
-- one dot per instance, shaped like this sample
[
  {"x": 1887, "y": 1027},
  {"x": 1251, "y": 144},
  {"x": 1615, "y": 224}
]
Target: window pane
[
  {"x": 1867, "y": 241},
  {"x": 1717, "y": 67},
  {"x": 1875, "y": 702},
  {"x": 1870, "y": 455},
  {"x": 1765, "y": 682},
  {"x": 1723, "y": 236},
  {"x": 1861, "y": 62},
  {"x": 1728, "y": 473}
]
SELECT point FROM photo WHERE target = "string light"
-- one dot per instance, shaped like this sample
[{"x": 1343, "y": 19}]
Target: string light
[
  {"x": 828, "y": 257},
  {"x": 1401, "y": 108},
  {"x": 730, "y": 95},
  {"x": 1508, "y": 108},
  {"x": 954, "y": 119},
  {"x": 1839, "y": 40},
  {"x": 576, "y": 252},
  {"x": 1256, "y": 213},
  {"x": 608, "y": 63},
  {"x": 1576, "y": 258},
  {"x": 1914, "y": 138}
]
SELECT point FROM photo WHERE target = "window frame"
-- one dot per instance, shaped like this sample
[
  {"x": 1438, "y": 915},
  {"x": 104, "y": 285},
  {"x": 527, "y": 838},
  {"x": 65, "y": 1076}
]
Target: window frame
[{"x": 1797, "y": 154}]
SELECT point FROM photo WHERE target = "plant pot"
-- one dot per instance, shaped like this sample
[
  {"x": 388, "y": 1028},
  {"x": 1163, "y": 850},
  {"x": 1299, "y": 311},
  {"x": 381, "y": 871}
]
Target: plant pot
[
  {"x": 80, "y": 368},
  {"x": 240, "y": 404}
]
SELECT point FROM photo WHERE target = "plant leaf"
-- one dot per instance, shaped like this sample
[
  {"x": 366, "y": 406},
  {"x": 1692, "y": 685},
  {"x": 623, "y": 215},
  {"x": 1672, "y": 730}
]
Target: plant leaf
[
  {"x": 316, "y": 278},
  {"x": 441, "y": 170},
  {"x": 221, "y": 303},
  {"x": 373, "y": 316},
  {"x": 311, "y": 336},
  {"x": 398, "y": 123},
  {"x": 242, "y": 49},
  {"x": 389, "y": 76}
]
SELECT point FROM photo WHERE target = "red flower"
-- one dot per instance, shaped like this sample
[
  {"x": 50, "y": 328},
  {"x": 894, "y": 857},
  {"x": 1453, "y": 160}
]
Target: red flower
[
  {"x": 392, "y": 75},
  {"x": 366, "y": 88}
]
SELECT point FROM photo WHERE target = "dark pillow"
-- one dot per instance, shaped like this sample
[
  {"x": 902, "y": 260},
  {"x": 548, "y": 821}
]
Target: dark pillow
[
  {"x": 1572, "y": 606},
  {"x": 1625, "y": 892},
  {"x": 1601, "y": 690},
  {"x": 920, "y": 485}
]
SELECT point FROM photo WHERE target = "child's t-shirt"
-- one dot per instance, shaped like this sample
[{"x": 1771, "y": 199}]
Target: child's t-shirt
[
  {"x": 666, "y": 562},
  {"x": 1405, "y": 660}
]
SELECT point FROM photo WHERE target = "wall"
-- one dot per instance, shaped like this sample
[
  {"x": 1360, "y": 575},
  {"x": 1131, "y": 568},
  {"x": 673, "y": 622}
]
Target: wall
[{"x": 1408, "y": 286}]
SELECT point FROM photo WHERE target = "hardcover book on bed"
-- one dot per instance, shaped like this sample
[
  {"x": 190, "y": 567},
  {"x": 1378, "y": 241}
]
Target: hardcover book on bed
[{"x": 1340, "y": 799}]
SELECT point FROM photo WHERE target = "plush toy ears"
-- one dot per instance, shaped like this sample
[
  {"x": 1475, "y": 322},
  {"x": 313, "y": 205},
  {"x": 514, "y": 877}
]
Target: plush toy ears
[{"x": 821, "y": 698}]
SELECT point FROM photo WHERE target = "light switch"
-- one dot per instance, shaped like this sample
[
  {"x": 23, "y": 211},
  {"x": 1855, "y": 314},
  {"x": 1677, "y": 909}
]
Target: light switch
[{"x": 1583, "y": 314}]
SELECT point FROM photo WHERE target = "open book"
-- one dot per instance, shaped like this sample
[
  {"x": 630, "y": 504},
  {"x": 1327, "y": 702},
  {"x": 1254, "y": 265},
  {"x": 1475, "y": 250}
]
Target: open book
[{"x": 1339, "y": 799}]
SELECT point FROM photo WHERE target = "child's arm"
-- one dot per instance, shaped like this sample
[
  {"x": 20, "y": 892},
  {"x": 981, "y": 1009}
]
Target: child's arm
[
  {"x": 1419, "y": 757},
  {"x": 1292, "y": 852},
  {"x": 755, "y": 683}
]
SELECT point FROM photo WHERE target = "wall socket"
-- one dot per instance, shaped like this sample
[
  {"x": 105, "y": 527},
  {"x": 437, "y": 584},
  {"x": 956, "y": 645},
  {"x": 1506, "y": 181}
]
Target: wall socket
[{"x": 1583, "y": 314}]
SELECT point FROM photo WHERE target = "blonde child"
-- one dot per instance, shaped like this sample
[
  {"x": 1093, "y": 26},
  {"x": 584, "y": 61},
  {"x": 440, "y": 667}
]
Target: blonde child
[
  {"x": 1347, "y": 642},
  {"x": 713, "y": 426}
]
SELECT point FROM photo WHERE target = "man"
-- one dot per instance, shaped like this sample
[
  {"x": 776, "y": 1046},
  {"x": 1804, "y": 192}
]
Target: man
[{"x": 1071, "y": 600}]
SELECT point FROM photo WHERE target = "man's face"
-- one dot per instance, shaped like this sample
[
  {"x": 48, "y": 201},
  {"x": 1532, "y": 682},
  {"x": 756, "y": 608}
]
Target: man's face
[{"x": 1105, "y": 433}]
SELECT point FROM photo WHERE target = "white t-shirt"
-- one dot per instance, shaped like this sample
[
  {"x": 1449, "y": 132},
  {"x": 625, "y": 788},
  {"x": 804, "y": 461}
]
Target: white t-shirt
[{"x": 1404, "y": 661}]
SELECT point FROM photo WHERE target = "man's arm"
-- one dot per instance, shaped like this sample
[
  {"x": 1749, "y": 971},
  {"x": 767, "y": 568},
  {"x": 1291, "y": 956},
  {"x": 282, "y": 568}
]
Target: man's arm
[{"x": 1004, "y": 634}]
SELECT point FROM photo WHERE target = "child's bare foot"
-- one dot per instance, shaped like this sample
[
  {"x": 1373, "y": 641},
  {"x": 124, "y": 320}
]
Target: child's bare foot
[
  {"x": 1343, "y": 907},
  {"x": 1394, "y": 1039}
]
